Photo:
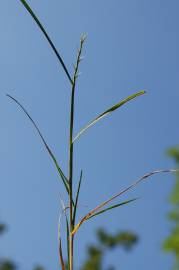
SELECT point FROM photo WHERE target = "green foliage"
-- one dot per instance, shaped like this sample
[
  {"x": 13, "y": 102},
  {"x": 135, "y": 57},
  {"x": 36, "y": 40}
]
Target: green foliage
[
  {"x": 171, "y": 243},
  {"x": 107, "y": 242},
  {"x": 174, "y": 198},
  {"x": 7, "y": 265},
  {"x": 2, "y": 228},
  {"x": 38, "y": 268},
  {"x": 94, "y": 261},
  {"x": 125, "y": 240},
  {"x": 174, "y": 153}
]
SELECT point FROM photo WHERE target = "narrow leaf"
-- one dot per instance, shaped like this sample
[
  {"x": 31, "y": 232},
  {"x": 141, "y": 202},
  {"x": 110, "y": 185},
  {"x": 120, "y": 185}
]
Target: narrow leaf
[
  {"x": 108, "y": 111},
  {"x": 63, "y": 177},
  {"x": 28, "y": 8},
  {"x": 97, "y": 208},
  {"x": 112, "y": 207},
  {"x": 77, "y": 196}
]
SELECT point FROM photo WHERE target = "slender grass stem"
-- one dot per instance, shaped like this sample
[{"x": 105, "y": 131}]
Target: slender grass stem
[
  {"x": 75, "y": 76},
  {"x": 71, "y": 176}
]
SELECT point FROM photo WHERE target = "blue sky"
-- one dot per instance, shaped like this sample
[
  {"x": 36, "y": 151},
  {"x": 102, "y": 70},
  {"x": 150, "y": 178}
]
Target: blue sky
[{"x": 131, "y": 45}]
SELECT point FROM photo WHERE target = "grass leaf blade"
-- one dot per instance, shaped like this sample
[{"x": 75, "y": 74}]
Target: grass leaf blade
[
  {"x": 77, "y": 196},
  {"x": 112, "y": 207},
  {"x": 33, "y": 15},
  {"x": 63, "y": 177},
  {"x": 108, "y": 111},
  {"x": 123, "y": 191}
]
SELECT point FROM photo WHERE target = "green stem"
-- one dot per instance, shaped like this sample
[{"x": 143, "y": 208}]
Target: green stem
[
  {"x": 71, "y": 237},
  {"x": 71, "y": 176}
]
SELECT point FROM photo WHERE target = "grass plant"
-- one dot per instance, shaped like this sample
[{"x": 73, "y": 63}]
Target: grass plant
[{"x": 68, "y": 181}]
